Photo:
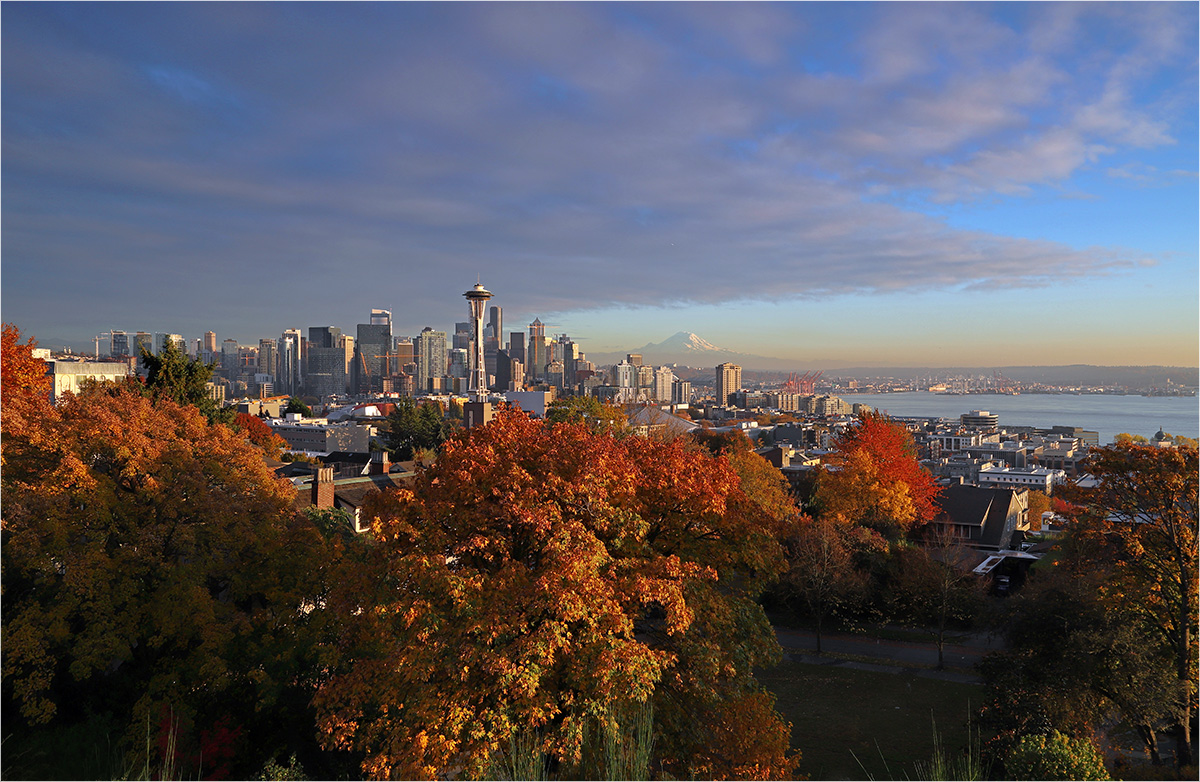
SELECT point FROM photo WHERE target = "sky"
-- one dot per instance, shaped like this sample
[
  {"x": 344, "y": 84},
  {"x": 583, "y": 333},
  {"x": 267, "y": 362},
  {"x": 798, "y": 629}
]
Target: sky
[{"x": 875, "y": 184}]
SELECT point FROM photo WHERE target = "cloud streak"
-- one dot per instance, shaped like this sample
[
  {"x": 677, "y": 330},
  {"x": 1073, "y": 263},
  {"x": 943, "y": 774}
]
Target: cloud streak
[{"x": 595, "y": 155}]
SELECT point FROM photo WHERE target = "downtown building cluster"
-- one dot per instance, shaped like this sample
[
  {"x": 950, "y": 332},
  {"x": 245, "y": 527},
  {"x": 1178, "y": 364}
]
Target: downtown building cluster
[{"x": 329, "y": 364}]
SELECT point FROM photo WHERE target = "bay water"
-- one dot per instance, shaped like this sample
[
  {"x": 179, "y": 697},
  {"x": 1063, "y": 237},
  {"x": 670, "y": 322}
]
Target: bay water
[{"x": 1108, "y": 414}]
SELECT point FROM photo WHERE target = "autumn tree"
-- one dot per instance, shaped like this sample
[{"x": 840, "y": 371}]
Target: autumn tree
[
  {"x": 1039, "y": 503},
  {"x": 542, "y": 582},
  {"x": 587, "y": 410},
  {"x": 1138, "y": 523},
  {"x": 259, "y": 433},
  {"x": 875, "y": 479},
  {"x": 153, "y": 567}
]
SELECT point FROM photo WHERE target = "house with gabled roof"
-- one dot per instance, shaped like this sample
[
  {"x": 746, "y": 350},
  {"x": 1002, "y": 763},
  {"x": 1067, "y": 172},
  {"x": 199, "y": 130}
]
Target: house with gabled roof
[{"x": 983, "y": 518}]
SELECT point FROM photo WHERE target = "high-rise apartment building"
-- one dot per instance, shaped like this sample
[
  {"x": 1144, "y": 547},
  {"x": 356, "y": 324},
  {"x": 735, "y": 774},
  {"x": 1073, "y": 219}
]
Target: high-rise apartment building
[
  {"x": 728, "y": 381},
  {"x": 664, "y": 378},
  {"x": 210, "y": 341},
  {"x": 681, "y": 392},
  {"x": 431, "y": 358},
  {"x": 267, "y": 350}
]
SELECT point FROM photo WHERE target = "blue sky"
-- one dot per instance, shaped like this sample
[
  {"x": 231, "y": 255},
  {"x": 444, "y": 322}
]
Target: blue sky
[{"x": 893, "y": 183}]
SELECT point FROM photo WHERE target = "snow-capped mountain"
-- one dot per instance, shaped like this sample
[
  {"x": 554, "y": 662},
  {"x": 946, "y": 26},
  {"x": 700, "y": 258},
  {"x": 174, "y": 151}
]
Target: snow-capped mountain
[{"x": 688, "y": 349}]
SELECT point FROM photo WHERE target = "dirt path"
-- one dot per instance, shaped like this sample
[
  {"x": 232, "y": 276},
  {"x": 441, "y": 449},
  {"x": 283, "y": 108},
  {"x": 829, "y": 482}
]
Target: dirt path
[{"x": 893, "y": 656}]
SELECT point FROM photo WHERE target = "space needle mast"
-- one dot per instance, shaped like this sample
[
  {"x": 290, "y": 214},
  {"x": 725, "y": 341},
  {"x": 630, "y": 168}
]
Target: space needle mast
[{"x": 477, "y": 297}]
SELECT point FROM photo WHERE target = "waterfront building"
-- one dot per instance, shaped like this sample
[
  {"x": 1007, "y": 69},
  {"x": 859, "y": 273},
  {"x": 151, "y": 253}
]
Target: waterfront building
[{"x": 980, "y": 419}]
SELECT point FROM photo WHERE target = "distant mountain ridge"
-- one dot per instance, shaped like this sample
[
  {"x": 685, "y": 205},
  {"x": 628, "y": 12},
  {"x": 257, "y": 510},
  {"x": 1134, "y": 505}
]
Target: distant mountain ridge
[{"x": 689, "y": 349}]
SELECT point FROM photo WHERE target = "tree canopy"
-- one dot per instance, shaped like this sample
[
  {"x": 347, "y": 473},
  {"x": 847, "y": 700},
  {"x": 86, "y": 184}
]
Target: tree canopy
[
  {"x": 173, "y": 375},
  {"x": 1138, "y": 524},
  {"x": 152, "y": 566},
  {"x": 587, "y": 410},
  {"x": 542, "y": 581},
  {"x": 412, "y": 428},
  {"x": 876, "y": 479}
]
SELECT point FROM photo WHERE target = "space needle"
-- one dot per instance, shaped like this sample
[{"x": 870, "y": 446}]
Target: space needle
[{"x": 477, "y": 297}]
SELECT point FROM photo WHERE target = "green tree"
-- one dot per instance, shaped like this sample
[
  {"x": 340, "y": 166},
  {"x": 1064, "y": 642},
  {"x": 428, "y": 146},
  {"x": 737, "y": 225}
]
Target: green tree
[
  {"x": 931, "y": 587},
  {"x": 295, "y": 405},
  {"x": 1055, "y": 756},
  {"x": 173, "y": 375},
  {"x": 1076, "y": 660},
  {"x": 412, "y": 428}
]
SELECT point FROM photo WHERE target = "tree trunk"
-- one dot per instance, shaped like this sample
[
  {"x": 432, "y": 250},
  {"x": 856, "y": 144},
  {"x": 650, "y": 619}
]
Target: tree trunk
[
  {"x": 1150, "y": 739},
  {"x": 819, "y": 618}
]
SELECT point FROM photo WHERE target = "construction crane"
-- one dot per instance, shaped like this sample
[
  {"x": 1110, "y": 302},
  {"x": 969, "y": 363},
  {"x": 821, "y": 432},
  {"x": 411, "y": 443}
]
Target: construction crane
[
  {"x": 103, "y": 335},
  {"x": 387, "y": 366},
  {"x": 804, "y": 384}
]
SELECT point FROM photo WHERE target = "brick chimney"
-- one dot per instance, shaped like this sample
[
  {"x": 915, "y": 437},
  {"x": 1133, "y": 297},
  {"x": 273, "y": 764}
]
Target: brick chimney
[
  {"x": 380, "y": 465},
  {"x": 322, "y": 488}
]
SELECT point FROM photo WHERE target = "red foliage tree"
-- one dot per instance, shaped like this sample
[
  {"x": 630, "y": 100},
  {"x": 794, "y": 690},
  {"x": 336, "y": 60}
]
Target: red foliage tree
[
  {"x": 256, "y": 431},
  {"x": 877, "y": 479}
]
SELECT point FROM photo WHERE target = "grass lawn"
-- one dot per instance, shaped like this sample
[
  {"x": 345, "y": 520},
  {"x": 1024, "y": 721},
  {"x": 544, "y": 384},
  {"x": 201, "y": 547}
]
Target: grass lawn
[{"x": 885, "y": 719}]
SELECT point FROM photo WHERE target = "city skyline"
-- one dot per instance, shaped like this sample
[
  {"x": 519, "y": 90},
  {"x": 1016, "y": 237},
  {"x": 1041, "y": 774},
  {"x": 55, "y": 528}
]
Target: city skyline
[{"x": 892, "y": 184}]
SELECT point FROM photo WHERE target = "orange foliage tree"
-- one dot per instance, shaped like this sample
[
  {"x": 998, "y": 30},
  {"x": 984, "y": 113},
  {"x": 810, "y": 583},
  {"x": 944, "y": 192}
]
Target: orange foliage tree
[
  {"x": 151, "y": 564},
  {"x": 1138, "y": 523},
  {"x": 876, "y": 479},
  {"x": 541, "y": 582}
]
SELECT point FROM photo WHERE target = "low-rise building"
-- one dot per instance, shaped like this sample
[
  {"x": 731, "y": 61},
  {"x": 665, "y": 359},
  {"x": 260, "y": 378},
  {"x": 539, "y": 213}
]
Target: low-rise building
[
  {"x": 1038, "y": 478},
  {"x": 68, "y": 377}
]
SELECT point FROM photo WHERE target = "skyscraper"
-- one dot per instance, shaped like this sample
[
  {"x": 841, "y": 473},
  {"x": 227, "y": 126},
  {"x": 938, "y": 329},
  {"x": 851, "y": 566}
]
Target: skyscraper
[
  {"x": 536, "y": 354},
  {"x": 516, "y": 347},
  {"x": 266, "y": 357},
  {"x": 326, "y": 373},
  {"x": 287, "y": 373},
  {"x": 371, "y": 345},
  {"x": 728, "y": 381},
  {"x": 119, "y": 347},
  {"x": 664, "y": 378},
  {"x": 477, "y": 298}
]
